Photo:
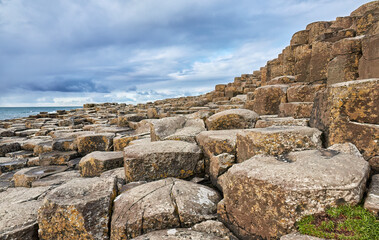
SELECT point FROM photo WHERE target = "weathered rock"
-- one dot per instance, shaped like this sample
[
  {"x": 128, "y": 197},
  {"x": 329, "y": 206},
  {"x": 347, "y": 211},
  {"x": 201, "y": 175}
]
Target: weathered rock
[
  {"x": 56, "y": 158},
  {"x": 10, "y": 164},
  {"x": 300, "y": 38},
  {"x": 276, "y": 141},
  {"x": 94, "y": 142},
  {"x": 216, "y": 142},
  {"x": 7, "y": 147},
  {"x": 123, "y": 121},
  {"x": 156, "y": 160},
  {"x": 120, "y": 142},
  {"x": 176, "y": 128},
  {"x": 296, "y": 109},
  {"x": 219, "y": 165},
  {"x": 232, "y": 119},
  {"x": 216, "y": 228},
  {"x": 275, "y": 121},
  {"x": 374, "y": 164},
  {"x": 348, "y": 112},
  {"x": 6, "y": 132},
  {"x": 372, "y": 200},
  {"x": 18, "y": 212},
  {"x": 93, "y": 164},
  {"x": 370, "y": 58},
  {"x": 298, "y": 236},
  {"x": 26, "y": 176},
  {"x": 161, "y": 204},
  {"x": 267, "y": 99},
  {"x": 348, "y": 148},
  {"x": 265, "y": 195},
  {"x": 178, "y": 234},
  {"x": 56, "y": 179},
  {"x": 65, "y": 144},
  {"x": 20, "y": 154},
  {"x": 303, "y": 93},
  {"x": 78, "y": 209}
]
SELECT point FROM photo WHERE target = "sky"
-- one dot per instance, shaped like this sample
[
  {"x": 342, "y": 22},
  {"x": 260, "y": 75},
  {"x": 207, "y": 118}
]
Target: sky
[{"x": 70, "y": 52}]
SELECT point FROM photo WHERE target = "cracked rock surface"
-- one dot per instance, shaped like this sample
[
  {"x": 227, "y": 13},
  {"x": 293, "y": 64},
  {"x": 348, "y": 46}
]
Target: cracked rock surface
[{"x": 167, "y": 203}]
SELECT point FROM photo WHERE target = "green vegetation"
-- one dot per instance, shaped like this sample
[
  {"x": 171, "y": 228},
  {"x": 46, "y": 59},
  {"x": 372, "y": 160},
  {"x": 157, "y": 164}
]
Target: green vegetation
[{"x": 343, "y": 222}]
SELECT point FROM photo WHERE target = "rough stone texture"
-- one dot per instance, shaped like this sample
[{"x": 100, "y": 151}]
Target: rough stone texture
[
  {"x": 368, "y": 64},
  {"x": 161, "y": 204},
  {"x": 178, "y": 234},
  {"x": 95, "y": 142},
  {"x": 300, "y": 37},
  {"x": 267, "y": 99},
  {"x": 156, "y": 160},
  {"x": 275, "y": 121},
  {"x": 296, "y": 109},
  {"x": 216, "y": 142},
  {"x": 219, "y": 165},
  {"x": 298, "y": 236},
  {"x": 374, "y": 164},
  {"x": 232, "y": 119},
  {"x": 7, "y": 147},
  {"x": 93, "y": 164},
  {"x": 26, "y": 176},
  {"x": 216, "y": 228},
  {"x": 56, "y": 158},
  {"x": 265, "y": 195},
  {"x": 79, "y": 209},
  {"x": 276, "y": 141},
  {"x": 348, "y": 112},
  {"x": 56, "y": 179},
  {"x": 18, "y": 212},
  {"x": 372, "y": 199},
  {"x": 348, "y": 148},
  {"x": 10, "y": 164},
  {"x": 178, "y": 128},
  {"x": 120, "y": 142},
  {"x": 303, "y": 93}
]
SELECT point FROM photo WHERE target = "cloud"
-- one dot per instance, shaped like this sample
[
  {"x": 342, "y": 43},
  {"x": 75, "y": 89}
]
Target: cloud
[{"x": 144, "y": 49}]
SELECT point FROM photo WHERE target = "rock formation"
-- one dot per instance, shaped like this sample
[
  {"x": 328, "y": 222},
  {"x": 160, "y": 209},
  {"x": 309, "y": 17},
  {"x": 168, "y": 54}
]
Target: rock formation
[{"x": 245, "y": 161}]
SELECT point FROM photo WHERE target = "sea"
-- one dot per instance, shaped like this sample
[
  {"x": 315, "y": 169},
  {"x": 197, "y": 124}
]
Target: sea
[{"x": 18, "y": 112}]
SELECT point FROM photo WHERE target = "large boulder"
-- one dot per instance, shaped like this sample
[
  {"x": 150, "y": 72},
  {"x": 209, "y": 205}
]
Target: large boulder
[
  {"x": 93, "y": 164},
  {"x": 79, "y": 209},
  {"x": 18, "y": 212},
  {"x": 216, "y": 142},
  {"x": 265, "y": 195},
  {"x": 232, "y": 119},
  {"x": 176, "y": 128},
  {"x": 94, "y": 142},
  {"x": 276, "y": 141},
  {"x": 161, "y": 204},
  {"x": 156, "y": 160},
  {"x": 348, "y": 112},
  {"x": 267, "y": 99}
]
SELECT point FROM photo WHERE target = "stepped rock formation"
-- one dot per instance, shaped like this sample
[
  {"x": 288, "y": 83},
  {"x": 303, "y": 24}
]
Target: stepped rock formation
[{"x": 245, "y": 161}]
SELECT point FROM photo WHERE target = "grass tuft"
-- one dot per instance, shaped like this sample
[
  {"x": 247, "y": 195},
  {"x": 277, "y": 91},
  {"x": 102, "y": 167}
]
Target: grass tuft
[{"x": 343, "y": 222}]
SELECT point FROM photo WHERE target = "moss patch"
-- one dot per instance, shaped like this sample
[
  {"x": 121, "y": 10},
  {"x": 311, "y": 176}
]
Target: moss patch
[{"x": 343, "y": 222}]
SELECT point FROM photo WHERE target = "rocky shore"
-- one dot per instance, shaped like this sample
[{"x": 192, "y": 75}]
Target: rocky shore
[{"x": 245, "y": 161}]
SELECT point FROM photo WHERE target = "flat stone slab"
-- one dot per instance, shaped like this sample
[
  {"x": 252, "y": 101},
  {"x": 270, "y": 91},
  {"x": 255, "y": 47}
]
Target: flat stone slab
[
  {"x": 265, "y": 195},
  {"x": 25, "y": 177},
  {"x": 10, "y": 164},
  {"x": 232, "y": 119},
  {"x": 78, "y": 209},
  {"x": 95, "y": 163},
  {"x": 56, "y": 158},
  {"x": 216, "y": 142},
  {"x": 18, "y": 212},
  {"x": 56, "y": 179},
  {"x": 372, "y": 200},
  {"x": 276, "y": 141},
  {"x": 284, "y": 121},
  {"x": 94, "y": 142},
  {"x": 162, "y": 204},
  {"x": 157, "y": 160},
  {"x": 298, "y": 236},
  {"x": 178, "y": 234}
]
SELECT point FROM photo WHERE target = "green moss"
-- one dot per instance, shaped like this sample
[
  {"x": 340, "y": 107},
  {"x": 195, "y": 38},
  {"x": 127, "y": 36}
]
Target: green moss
[{"x": 343, "y": 222}]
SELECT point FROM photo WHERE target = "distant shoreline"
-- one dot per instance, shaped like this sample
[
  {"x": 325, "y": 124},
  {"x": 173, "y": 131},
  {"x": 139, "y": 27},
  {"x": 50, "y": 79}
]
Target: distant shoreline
[{"x": 9, "y": 113}]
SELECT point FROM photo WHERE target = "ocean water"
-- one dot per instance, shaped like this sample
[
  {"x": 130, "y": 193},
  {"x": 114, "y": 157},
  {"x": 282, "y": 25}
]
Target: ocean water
[{"x": 18, "y": 112}]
